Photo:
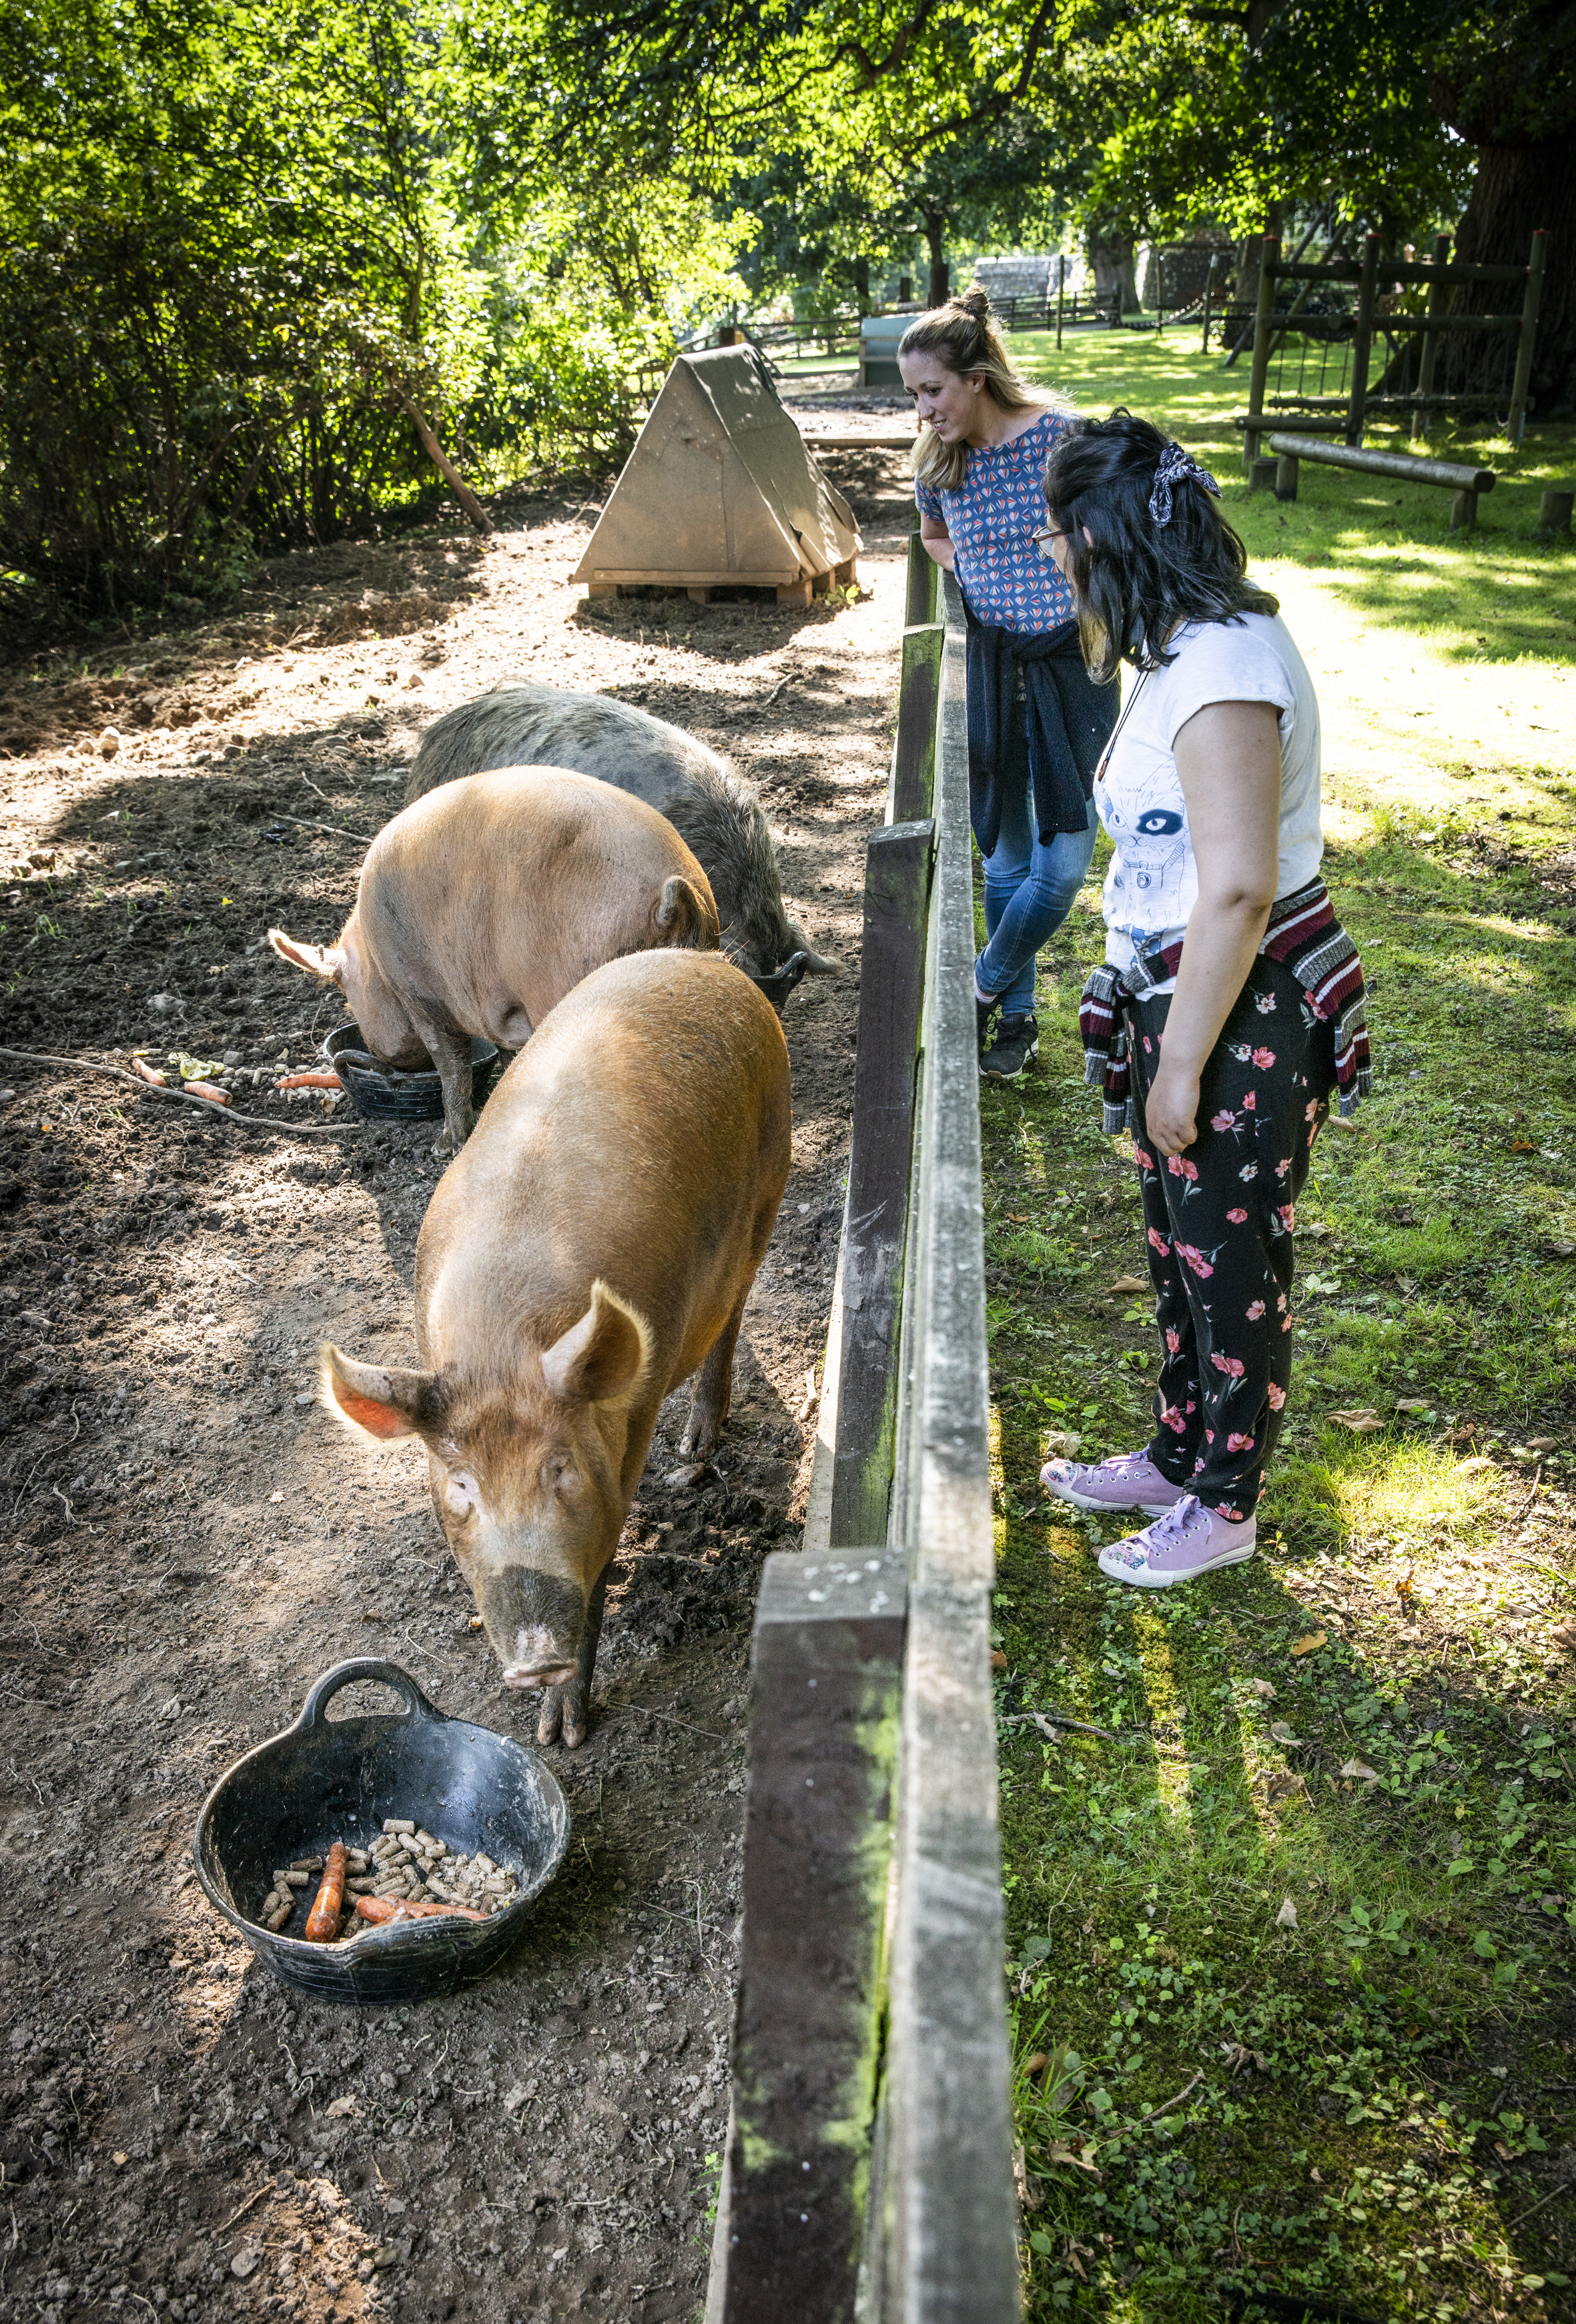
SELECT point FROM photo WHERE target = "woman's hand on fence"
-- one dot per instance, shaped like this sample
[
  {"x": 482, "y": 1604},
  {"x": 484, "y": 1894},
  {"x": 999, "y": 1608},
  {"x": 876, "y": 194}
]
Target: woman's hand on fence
[{"x": 1170, "y": 1107}]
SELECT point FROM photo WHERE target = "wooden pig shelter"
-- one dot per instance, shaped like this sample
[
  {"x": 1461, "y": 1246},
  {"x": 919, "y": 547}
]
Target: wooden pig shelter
[{"x": 721, "y": 492}]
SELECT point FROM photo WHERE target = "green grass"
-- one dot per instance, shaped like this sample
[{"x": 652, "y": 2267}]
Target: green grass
[{"x": 1383, "y": 2088}]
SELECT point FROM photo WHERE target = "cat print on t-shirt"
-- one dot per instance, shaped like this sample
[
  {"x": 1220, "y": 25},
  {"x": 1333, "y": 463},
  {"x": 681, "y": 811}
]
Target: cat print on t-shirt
[{"x": 1152, "y": 858}]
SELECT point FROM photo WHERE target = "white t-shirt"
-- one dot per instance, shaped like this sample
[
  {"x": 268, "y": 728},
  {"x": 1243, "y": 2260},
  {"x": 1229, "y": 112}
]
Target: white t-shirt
[{"x": 1152, "y": 885}]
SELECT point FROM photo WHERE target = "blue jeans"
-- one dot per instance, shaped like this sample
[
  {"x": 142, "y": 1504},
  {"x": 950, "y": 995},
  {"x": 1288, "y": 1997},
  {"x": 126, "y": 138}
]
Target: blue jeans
[{"x": 1030, "y": 887}]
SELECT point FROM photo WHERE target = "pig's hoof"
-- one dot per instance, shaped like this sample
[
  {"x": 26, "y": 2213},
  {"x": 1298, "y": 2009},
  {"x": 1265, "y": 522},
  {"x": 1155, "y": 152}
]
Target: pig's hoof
[
  {"x": 563, "y": 1718},
  {"x": 700, "y": 1438}
]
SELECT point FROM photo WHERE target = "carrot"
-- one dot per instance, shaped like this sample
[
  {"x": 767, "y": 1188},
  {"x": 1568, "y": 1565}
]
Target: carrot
[
  {"x": 381, "y": 1909},
  {"x": 211, "y": 1090},
  {"x": 148, "y": 1074},
  {"x": 310, "y": 1081},
  {"x": 323, "y": 1919}
]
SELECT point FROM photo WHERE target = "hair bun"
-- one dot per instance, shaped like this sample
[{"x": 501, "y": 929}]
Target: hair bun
[{"x": 975, "y": 303}]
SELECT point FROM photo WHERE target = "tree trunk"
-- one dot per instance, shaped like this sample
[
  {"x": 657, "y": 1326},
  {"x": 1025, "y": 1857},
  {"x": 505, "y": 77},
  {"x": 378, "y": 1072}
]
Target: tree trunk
[
  {"x": 936, "y": 244},
  {"x": 1517, "y": 189},
  {"x": 1110, "y": 257},
  {"x": 861, "y": 285},
  {"x": 480, "y": 521}
]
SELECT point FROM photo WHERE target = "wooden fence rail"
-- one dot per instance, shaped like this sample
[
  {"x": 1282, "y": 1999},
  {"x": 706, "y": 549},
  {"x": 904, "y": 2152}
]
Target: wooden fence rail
[
  {"x": 869, "y": 2172},
  {"x": 1434, "y": 333}
]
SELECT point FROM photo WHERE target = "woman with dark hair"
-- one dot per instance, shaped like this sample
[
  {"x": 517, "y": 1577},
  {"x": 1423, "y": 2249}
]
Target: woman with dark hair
[
  {"x": 1230, "y": 1003},
  {"x": 1036, "y": 721}
]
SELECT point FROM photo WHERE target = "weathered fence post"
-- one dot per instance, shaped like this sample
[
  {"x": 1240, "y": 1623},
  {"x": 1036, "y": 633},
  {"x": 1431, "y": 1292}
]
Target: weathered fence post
[
  {"x": 1516, "y": 424},
  {"x": 1362, "y": 337},
  {"x": 1263, "y": 319},
  {"x": 897, "y": 895},
  {"x": 827, "y": 1670},
  {"x": 913, "y": 749},
  {"x": 1438, "y": 292},
  {"x": 923, "y": 569}
]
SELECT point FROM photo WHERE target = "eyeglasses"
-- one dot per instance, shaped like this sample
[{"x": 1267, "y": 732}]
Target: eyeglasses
[{"x": 1045, "y": 535}]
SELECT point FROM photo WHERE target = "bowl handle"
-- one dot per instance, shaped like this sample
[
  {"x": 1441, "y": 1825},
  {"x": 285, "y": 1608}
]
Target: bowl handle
[{"x": 363, "y": 1666}]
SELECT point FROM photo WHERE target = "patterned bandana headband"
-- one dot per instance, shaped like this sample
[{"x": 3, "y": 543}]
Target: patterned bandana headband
[{"x": 1177, "y": 467}]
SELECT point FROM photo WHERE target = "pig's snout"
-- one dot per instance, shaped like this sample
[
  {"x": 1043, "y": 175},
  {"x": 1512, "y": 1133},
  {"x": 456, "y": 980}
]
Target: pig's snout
[{"x": 535, "y": 1621}]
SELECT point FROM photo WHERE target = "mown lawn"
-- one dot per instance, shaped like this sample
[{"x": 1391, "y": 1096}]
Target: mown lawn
[{"x": 1290, "y": 1935}]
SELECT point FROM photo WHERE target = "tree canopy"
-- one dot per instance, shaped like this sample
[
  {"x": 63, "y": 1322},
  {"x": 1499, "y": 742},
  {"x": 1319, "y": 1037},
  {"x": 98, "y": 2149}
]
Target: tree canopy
[{"x": 257, "y": 262}]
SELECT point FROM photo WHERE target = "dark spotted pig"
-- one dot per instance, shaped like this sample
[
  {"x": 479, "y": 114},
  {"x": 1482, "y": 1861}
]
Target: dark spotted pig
[
  {"x": 719, "y": 816},
  {"x": 480, "y": 907},
  {"x": 592, "y": 1247}
]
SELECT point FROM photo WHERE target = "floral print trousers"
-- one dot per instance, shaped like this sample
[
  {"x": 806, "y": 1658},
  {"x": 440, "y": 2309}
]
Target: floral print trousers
[{"x": 1219, "y": 1220}]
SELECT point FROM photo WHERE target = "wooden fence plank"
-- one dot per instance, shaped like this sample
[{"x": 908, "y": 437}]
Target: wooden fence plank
[
  {"x": 944, "y": 2248},
  {"x": 897, "y": 895},
  {"x": 923, "y": 573},
  {"x": 914, "y": 751},
  {"x": 817, "y": 1842}
]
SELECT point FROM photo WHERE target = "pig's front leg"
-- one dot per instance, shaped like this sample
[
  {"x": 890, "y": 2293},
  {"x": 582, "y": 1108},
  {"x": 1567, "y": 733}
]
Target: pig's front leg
[
  {"x": 451, "y": 1054},
  {"x": 714, "y": 1388},
  {"x": 565, "y": 1708}
]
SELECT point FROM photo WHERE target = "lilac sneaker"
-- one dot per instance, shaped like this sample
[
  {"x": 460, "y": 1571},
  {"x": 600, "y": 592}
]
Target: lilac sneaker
[
  {"x": 1187, "y": 1541},
  {"x": 1127, "y": 1480}
]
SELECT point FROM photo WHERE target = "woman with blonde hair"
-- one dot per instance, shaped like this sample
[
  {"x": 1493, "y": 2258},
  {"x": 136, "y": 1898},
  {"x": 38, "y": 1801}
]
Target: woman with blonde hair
[{"x": 1037, "y": 722}]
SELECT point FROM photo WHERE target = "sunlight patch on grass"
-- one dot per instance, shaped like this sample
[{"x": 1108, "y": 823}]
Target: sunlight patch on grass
[{"x": 1401, "y": 1493}]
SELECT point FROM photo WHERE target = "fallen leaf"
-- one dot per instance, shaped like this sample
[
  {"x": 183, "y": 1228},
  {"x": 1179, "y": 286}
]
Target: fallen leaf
[
  {"x": 1038, "y": 2063},
  {"x": 1361, "y": 1419},
  {"x": 337, "y": 2109},
  {"x": 1286, "y": 1918},
  {"x": 1261, "y": 1686},
  {"x": 1344, "y": 1121},
  {"x": 1238, "y": 2053},
  {"x": 1413, "y": 1404},
  {"x": 1063, "y": 1441},
  {"x": 1561, "y": 1249},
  {"x": 1565, "y": 1632},
  {"x": 1056, "y": 2153},
  {"x": 1358, "y": 1771},
  {"x": 998, "y": 1659},
  {"x": 1403, "y": 1587},
  {"x": 1478, "y": 1461},
  {"x": 1123, "y": 1284},
  {"x": 119, "y": 2160},
  {"x": 1315, "y": 1231},
  {"x": 1523, "y": 1146},
  {"x": 1311, "y": 1643},
  {"x": 1541, "y": 1443},
  {"x": 1282, "y": 1733}
]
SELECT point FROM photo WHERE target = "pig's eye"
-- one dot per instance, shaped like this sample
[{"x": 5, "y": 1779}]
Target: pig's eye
[
  {"x": 561, "y": 1476},
  {"x": 459, "y": 1495}
]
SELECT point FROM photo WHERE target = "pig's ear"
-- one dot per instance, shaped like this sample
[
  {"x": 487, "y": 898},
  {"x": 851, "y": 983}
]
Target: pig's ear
[
  {"x": 326, "y": 961},
  {"x": 600, "y": 1356},
  {"x": 386, "y": 1404}
]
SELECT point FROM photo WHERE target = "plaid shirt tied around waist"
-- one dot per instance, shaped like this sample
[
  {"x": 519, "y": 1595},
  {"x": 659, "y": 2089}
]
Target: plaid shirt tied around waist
[{"x": 1303, "y": 936}]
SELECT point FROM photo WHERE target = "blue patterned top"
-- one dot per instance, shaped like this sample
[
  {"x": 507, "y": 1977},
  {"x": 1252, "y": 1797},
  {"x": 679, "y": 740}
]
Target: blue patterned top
[{"x": 991, "y": 519}]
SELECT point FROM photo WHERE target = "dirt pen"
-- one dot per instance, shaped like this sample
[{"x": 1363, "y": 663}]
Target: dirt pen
[{"x": 189, "y": 1543}]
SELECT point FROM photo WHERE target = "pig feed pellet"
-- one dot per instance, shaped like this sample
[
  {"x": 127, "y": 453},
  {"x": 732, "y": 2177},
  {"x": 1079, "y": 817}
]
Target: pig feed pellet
[{"x": 403, "y": 1864}]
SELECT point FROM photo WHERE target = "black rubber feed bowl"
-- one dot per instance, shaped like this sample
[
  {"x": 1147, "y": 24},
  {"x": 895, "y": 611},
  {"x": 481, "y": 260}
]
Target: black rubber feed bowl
[
  {"x": 782, "y": 981},
  {"x": 383, "y": 1093},
  {"x": 327, "y": 1779}
]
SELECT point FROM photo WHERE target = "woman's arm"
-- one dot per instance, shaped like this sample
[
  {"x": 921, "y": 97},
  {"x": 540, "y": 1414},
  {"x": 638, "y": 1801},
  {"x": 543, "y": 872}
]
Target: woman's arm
[
  {"x": 937, "y": 540},
  {"x": 1228, "y": 760}
]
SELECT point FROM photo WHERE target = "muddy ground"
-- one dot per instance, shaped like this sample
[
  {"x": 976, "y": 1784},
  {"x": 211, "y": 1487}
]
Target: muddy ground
[{"x": 188, "y": 1542}]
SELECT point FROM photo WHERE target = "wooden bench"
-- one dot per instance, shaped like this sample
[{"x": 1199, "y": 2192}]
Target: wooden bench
[{"x": 1465, "y": 483}]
